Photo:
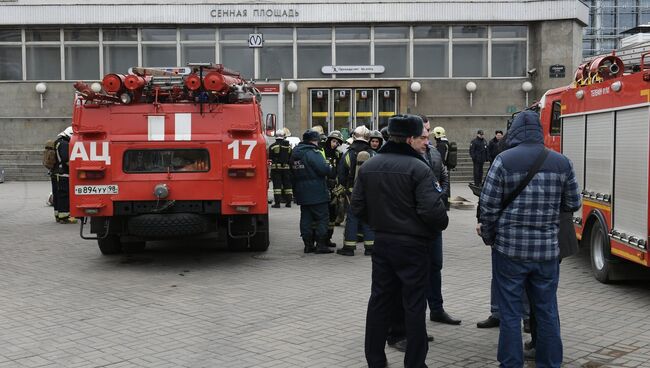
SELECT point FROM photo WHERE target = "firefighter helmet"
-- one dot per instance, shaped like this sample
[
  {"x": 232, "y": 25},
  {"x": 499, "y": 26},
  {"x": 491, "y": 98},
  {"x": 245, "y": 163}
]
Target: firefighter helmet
[
  {"x": 384, "y": 133},
  {"x": 280, "y": 134},
  {"x": 439, "y": 132},
  {"x": 376, "y": 134},
  {"x": 361, "y": 132},
  {"x": 335, "y": 134}
]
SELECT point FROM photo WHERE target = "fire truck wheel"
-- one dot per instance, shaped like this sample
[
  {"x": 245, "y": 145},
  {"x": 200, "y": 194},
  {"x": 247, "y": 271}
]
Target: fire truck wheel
[
  {"x": 110, "y": 245},
  {"x": 600, "y": 252}
]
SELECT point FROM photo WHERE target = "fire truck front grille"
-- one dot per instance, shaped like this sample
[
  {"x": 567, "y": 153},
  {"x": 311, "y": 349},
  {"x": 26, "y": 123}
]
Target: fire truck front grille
[{"x": 144, "y": 207}]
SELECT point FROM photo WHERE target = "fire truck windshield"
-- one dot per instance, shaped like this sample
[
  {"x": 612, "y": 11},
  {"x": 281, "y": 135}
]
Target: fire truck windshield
[{"x": 166, "y": 160}]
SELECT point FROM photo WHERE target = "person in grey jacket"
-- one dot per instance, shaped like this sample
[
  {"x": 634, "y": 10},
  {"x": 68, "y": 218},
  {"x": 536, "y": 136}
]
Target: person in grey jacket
[{"x": 405, "y": 222}]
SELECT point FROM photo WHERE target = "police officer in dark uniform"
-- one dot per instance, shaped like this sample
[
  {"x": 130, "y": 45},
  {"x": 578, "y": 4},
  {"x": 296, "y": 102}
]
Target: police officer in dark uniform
[
  {"x": 405, "y": 220},
  {"x": 309, "y": 173},
  {"x": 333, "y": 155},
  {"x": 479, "y": 152},
  {"x": 279, "y": 154},
  {"x": 61, "y": 178}
]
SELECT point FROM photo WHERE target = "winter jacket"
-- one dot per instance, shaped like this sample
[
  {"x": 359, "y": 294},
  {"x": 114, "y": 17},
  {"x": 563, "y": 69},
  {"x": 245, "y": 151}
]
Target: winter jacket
[
  {"x": 347, "y": 168},
  {"x": 396, "y": 192},
  {"x": 442, "y": 145},
  {"x": 309, "y": 172},
  {"x": 493, "y": 149},
  {"x": 433, "y": 159},
  {"x": 62, "y": 146},
  {"x": 478, "y": 150},
  {"x": 333, "y": 156},
  {"x": 279, "y": 154},
  {"x": 528, "y": 228}
]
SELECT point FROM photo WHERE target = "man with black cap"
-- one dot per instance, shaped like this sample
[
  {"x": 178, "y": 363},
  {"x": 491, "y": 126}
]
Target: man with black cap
[
  {"x": 309, "y": 173},
  {"x": 479, "y": 153},
  {"x": 405, "y": 222}
]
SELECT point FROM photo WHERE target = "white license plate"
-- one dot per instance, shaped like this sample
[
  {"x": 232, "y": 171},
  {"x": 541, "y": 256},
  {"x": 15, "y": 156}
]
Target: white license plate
[{"x": 95, "y": 189}]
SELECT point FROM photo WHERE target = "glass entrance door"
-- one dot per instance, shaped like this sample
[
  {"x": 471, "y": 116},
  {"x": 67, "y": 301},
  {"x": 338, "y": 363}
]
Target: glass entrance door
[
  {"x": 342, "y": 109},
  {"x": 386, "y": 105},
  {"x": 319, "y": 103},
  {"x": 364, "y": 112}
]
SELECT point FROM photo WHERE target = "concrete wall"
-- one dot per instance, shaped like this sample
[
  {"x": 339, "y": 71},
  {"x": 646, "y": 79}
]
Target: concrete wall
[{"x": 23, "y": 124}]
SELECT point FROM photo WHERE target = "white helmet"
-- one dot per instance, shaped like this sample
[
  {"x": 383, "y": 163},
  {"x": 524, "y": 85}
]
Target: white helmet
[
  {"x": 280, "y": 134},
  {"x": 67, "y": 132}
]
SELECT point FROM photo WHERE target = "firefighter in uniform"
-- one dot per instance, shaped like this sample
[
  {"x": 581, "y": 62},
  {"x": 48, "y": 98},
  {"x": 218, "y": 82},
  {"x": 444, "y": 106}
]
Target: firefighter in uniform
[
  {"x": 61, "y": 178},
  {"x": 333, "y": 155},
  {"x": 309, "y": 173},
  {"x": 348, "y": 167},
  {"x": 279, "y": 154}
]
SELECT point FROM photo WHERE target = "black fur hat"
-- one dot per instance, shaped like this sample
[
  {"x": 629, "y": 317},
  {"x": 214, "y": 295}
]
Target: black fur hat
[
  {"x": 405, "y": 125},
  {"x": 310, "y": 135}
]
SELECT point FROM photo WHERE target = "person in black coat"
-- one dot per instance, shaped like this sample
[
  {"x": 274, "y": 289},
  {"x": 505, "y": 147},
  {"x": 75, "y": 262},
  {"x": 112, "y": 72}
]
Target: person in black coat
[
  {"x": 479, "y": 153},
  {"x": 61, "y": 178},
  {"x": 493, "y": 146},
  {"x": 405, "y": 222}
]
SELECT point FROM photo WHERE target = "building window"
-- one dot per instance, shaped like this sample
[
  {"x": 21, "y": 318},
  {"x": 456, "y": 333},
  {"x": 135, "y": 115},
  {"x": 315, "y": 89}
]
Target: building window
[
  {"x": 508, "y": 51},
  {"x": 81, "y": 54},
  {"x": 354, "y": 54},
  {"x": 311, "y": 58},
  {"x": 394, "y": 57},
  {"x": 197, "y": 45},
  {"x": 159, "y": 47},
  {"x": 43, "y": 62},
  {"x": 314, "y": 50},
  {"x": 276, "y": 57},
  {"x": 470, "y": 59},
  {"x": 276, "y": 61},
  {"x": 431, "y": 60},
  {"x": 120, "y": 49},
  {"x": 239, "y": 58},
  {"x": 11, "y": 59}
]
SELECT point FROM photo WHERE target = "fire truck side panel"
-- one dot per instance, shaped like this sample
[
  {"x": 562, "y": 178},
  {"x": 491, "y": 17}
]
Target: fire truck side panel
[
  {"x": 599, "y": 153},
  {"x": 573, "y": 138},
  {"x": 631, "y": 179}
]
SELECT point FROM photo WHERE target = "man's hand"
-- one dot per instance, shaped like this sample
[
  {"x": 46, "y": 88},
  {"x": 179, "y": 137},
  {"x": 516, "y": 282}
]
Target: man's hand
[{"x": 478, "y": 229}]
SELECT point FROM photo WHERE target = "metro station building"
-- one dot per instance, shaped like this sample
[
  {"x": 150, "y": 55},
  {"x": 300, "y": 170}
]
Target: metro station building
[{"x": 338, "y": 64}]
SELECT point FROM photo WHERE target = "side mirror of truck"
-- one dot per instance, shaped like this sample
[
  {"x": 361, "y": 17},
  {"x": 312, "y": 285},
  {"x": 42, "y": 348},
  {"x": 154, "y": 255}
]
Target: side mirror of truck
[{"x": 270, "y": 124}]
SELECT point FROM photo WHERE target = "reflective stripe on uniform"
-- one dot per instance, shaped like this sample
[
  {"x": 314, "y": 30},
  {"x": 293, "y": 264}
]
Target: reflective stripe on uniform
[
  {"x": 352, "y": 244},
  {"x": 369, "y": 242}
]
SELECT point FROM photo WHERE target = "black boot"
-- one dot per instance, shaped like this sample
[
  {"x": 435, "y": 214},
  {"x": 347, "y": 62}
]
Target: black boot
[
  {"x": 322, "y": 247},
  {"x": 288, "y": 199},
  {"x": 278, "y": 199},
  {"x": 330, "y": 243},
  {"x": 309, "y": 246},
  {"x": 346, "y": 251}
]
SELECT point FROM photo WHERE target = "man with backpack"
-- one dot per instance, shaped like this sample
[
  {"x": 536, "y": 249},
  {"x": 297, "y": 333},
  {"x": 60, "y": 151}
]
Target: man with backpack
[
  {"x": 348, "y": 167},
  {"x": 55, "y": 158}
]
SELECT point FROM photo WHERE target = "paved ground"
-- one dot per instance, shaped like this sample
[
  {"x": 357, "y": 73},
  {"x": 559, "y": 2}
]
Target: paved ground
[{"x": 182, "y": 304}]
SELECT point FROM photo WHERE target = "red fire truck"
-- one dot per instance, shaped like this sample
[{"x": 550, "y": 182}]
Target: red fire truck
[
  {"x": 602, "y": 123},
  {"x": 170, "y": 153}
]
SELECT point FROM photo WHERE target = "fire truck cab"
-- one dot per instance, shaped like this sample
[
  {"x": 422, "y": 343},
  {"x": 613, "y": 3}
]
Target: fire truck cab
[
  {"x": 170, "y": 153},
  {"x": 602, "y": 124}
]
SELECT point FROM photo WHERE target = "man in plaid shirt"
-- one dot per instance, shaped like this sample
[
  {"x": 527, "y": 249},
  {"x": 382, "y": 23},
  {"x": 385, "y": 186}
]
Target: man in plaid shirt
[{"x": 524, "y": 238}]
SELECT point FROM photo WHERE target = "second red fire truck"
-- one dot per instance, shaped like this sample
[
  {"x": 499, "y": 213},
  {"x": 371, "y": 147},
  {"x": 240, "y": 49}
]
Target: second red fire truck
[
  {"x": 167, "y": 153},
  {"x": 602, "y": 123}
]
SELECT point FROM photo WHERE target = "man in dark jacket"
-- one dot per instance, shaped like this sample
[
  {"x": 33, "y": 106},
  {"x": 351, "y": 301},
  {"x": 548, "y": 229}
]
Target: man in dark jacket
[
  {"x": 405, "y": 221},
  {"x": 479, "y": 153},
  {"x": 61, "y": 178},
  {"x": 493, "y": 146},
  {"x": 279, "y": 154},
  {"x": 524, "y": 238},
  {"x": 309, "y": 173}
]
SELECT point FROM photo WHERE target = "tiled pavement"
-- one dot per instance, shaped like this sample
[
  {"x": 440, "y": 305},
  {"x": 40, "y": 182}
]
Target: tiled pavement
[{"x": 192, "y": 304}]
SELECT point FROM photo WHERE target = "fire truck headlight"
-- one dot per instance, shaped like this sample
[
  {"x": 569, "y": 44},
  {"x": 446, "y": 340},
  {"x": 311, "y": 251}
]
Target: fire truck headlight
[
  {"x": 161, "y": 191},
  {"x": 580, "y": 94},
  {"x": 616, "y": 86},
  {"x": 96, "y": 87},
  {"x": 125, "y": 98}
]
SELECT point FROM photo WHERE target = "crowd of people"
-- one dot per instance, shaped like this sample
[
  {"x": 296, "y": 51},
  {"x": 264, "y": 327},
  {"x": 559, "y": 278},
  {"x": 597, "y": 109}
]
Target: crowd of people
[{"x": 526, "y": 190}]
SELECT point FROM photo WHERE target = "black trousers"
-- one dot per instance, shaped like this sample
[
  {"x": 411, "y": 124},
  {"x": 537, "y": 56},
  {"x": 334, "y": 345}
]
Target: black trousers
[
  {"x": 313, "y": 221},
  {"x": 281, "y": 179},
  {"x": 62, "y": 196},
  {"x": 399, "y": 272},
  {"x": 478, "y": 172}
]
